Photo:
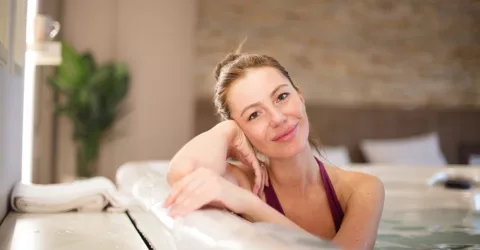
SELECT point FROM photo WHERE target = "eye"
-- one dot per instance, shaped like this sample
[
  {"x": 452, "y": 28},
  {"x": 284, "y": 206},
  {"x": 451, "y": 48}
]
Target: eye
[
  {"x": 283, "y": 96},
  {"x": 253, "y": 116}
]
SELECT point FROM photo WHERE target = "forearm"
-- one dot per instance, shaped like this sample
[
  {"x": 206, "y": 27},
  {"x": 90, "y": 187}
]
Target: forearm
[
  {"x": 258, "y": 211},
  {"x": 223, "y": 132}
]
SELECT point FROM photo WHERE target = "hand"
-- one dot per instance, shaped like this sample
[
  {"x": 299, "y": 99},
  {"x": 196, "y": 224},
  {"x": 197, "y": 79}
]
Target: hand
[
  {"x": 264, "y": 180},
  {"x": 241, "y": 149},
  {"x": 205, "y": 187},
  {"x": 211, "y": 150}
]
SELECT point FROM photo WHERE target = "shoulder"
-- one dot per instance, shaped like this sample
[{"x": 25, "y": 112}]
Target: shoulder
[
  {"x": 365, "y": 188},
  {"x": 363, "y": 181},
  {"x": 354, "y": 184},
  {"x": 364, "y": 206}
]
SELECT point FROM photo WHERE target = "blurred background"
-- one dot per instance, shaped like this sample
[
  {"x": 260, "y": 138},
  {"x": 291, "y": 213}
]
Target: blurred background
[{"x": 384, "y": 70}]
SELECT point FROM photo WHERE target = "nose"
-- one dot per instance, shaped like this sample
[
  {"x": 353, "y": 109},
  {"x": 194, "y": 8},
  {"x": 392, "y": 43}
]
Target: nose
[{"x": 277, "y": 117}]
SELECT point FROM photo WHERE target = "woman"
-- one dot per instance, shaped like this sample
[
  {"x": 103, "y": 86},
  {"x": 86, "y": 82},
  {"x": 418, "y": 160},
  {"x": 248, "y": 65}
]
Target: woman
[{"x": 264, "y": 117}]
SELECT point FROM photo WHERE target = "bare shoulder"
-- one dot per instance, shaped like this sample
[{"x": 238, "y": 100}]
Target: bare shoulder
[
  {"x": 362, "y": 180},
  {"x": 364, "y": 206},
  {"x": 357, "y": 183}
]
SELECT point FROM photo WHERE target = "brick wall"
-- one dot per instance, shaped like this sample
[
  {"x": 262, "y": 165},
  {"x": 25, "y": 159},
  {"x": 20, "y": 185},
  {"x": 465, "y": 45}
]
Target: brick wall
[{"x": 370, "y": 52}]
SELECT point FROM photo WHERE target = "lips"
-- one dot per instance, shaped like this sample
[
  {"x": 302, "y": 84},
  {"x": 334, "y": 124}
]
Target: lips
[{"x": 285, "y": 135}]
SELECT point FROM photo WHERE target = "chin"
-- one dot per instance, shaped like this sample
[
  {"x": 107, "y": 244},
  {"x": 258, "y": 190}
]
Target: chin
[{"x": 292, "y": 152}]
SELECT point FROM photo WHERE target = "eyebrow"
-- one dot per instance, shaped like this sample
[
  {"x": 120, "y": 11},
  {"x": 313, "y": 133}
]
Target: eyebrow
[{"x": 257, "y": 103}]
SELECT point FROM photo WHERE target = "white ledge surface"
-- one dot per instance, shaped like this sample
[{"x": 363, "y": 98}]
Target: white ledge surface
[{"x": 72, "y": 231}]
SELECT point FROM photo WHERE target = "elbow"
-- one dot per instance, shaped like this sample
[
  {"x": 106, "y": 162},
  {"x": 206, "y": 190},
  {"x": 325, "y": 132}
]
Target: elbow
[{"x": 177, "y": 171}]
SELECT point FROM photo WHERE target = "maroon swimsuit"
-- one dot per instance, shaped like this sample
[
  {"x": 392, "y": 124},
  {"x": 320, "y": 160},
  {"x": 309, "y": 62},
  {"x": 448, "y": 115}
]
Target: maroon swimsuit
[{"x": 335, "y": 208}]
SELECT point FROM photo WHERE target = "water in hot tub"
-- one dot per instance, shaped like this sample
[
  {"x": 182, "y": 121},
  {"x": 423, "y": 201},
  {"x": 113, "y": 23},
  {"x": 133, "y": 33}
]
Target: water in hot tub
[{"x": 429, "y": 228}]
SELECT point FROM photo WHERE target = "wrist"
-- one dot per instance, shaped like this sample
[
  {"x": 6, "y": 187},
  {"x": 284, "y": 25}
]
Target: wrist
[
  {"x": 256, "y": 210},
  {"x": 250, "y": 204},
  {"x": 225, "y": 129},
  {"x": 237, "y": 199}
]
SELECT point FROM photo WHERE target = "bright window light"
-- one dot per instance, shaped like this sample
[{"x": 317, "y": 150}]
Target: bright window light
[{"x": 28, "y": 97}]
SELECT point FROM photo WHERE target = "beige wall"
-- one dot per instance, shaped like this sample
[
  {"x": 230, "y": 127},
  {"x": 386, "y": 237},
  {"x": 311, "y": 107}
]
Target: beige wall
[
  {"x": 406, "y": 53},
  {"x": 379, "y": 52},
  {"x": 156, "y": 39}
]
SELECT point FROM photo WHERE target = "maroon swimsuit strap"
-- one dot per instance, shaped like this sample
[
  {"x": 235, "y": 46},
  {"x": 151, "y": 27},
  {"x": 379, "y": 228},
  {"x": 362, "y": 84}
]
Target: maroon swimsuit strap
[{"x": 335, "y": 208}]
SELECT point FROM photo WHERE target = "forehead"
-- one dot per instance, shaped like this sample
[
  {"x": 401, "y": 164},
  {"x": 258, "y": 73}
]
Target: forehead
[{"x": 256, "y": 85}]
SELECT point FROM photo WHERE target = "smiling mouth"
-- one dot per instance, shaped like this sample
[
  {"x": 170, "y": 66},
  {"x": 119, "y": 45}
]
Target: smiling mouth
[{"x": 287, "y": 134}]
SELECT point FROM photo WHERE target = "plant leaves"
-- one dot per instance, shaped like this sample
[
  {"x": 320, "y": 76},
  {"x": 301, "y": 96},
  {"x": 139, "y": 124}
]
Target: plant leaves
[
  {"x": 53, "y": 82},
  {"x": 93, "y": 98},
  {"x": 73, "y": 71},
  {"x": 89, "y": 62}
]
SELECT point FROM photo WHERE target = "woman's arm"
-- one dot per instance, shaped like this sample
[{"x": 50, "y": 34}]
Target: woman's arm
[
  {"x": 259, "y": 211},
  {"x": 362, "y": 215},
  {"x": 211, "y": 149},
  {"x": 185, "y": 160},
  {"x": 204, "y": 187}
]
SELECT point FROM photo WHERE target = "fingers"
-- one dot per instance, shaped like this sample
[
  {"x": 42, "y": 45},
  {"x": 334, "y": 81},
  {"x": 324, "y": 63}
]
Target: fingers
[
  {"x": 251, "y": 160},
  {"x": 193, "y": 192},
  {"x": 258, "y": 177},
  {"x": 265, "y": 179},
  {"x": 178, "y": 188},
  {"x": 265, "y": 175},
  {"x": 263, "y": 182},
  {"x": 184, "y": 202},
  {"x": 191, "y": 201},
  {"x": 242, "y": 148}
]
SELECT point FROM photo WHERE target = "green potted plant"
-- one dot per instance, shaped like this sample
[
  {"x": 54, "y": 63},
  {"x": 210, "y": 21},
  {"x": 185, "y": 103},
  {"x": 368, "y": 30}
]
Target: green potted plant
[{"x": 92, "y": 98}]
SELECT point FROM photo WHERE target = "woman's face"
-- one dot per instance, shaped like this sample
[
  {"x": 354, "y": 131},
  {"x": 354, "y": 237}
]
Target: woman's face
[{"x": 270, "y": 112}]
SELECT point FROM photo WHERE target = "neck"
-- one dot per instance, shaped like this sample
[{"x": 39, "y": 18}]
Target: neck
[{"x": 298, "y": 171}]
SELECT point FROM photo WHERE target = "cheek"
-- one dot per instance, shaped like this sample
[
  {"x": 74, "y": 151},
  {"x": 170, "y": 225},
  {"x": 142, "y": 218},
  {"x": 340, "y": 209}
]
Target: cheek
[
  {"x": 301, "y": 114},
  {"x": 255, "y": 132},
  {"x": 297, "y": 110},
  {"x": 305, "y": 130}
]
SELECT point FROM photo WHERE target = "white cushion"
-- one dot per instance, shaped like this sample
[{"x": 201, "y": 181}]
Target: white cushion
[
  {"x": 416, "y": 150},
  {"x": 333, "y": 155}
]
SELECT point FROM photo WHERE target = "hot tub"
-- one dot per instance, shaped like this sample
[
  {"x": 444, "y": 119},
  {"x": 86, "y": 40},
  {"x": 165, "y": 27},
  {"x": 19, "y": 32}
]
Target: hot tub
[{"x": 419, "y": 213}]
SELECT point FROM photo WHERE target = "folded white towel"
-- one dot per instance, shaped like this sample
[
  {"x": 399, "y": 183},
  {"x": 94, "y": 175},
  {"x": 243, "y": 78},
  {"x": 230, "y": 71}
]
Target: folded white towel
[{"x": 88, "y": 195}]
